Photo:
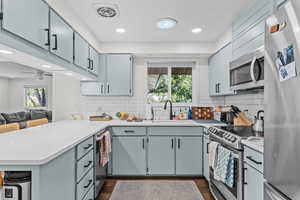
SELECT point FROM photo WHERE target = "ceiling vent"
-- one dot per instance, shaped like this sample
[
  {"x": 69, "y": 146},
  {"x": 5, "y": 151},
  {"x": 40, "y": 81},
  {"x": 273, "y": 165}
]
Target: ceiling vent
[{"x": 107, "y": 10}]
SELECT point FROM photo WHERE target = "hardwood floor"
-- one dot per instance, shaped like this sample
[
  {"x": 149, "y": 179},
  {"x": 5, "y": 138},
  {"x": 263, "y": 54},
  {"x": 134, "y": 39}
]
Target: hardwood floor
[{"x": 109, "y": 185}]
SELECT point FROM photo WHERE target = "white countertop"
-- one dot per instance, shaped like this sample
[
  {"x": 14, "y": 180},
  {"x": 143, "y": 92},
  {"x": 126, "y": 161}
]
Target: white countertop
[
  {"x": 256, "y": 145},
  {"x": 39, "y": 145}
]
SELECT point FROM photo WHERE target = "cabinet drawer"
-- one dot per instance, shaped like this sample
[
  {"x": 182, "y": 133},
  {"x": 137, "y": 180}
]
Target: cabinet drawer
[
  {"x": 174, "y": 131},
  {"x": 85, "y": 184},
  {"x": 84, "y": 147},
  {"x": 254, "y": 158},
  {"x": 86, "y": 163},
  {"x": 122, "y": 131},
  {"x": 90, "y": 195}
]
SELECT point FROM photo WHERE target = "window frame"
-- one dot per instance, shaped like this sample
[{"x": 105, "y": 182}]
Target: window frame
[
  {"x": 169, "y": 67},
  {"x": 46, "y": 94}
]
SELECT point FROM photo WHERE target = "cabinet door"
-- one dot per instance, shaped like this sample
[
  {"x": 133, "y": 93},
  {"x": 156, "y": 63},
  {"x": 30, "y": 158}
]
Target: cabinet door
[
  {"x": 212, "y": 75},
  {"x": 224, "y": 66},
  {"x": 161, "y": 155},
  {"x": 219, "y": 77},
  {"x": 92, "y": 88},
  {"x": 254, "y": 183},
  {"x": 102, "y": 68},
  {"x": 81, "y": 52},
  {"x": 205, "y": 158},
  {"x": 189, "y": 156},
  {"x": 94, "y": 59},
  {"x": 119, "y": 74},
  {"x": 27, "y": 19},
  {"x": 129, "y": 156},
  {"x": 61, "y": 37}
]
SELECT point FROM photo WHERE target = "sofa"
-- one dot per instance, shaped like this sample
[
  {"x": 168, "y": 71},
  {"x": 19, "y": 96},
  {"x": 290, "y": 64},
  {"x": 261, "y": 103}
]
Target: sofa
[{"x": 22, "y": 118}]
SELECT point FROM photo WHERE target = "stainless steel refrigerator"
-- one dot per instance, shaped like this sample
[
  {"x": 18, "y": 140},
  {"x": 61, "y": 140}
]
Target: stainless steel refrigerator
[{"x": 282, "y": 103}]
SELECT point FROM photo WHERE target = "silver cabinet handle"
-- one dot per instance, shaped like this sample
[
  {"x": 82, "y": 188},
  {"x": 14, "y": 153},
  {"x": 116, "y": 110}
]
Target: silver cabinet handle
[
  {"x": 172, "y": 145},
  {"x": 179, "y": 143}
]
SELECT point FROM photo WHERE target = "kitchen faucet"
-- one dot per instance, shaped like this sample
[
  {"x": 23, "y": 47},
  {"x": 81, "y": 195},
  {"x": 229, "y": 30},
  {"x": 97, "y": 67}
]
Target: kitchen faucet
[{"x": 171, "y": 108}]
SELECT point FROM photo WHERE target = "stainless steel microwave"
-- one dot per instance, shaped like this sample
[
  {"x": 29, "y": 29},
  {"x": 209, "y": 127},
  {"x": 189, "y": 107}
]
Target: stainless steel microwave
[{"x": 247, "y": 72}]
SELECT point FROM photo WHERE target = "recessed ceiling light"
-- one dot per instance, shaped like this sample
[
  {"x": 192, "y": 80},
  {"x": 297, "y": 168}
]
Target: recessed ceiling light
[
  {"x": 6, "y": 52},
  {"x": 68, "y": 74},
  {"x": 197, "y": 30},
  {"x": 120, "y": 30},
  {"x": 166, "y": 23},
  {"x": 47, "y": 66}
]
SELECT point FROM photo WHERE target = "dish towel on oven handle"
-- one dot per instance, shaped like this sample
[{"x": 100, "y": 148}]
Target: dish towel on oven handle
[
  {"x": 213, "y": 150},
  {"x": 224, "y": 166},
  {"x": 105, "y": 148}
]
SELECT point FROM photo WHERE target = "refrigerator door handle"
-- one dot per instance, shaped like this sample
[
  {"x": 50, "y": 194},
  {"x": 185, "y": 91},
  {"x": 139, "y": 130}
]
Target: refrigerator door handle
[{"x": 252, "y": 69}]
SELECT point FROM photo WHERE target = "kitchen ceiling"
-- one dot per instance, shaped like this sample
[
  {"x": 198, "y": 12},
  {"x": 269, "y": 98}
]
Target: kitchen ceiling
[{"x": 139, "y": 17}]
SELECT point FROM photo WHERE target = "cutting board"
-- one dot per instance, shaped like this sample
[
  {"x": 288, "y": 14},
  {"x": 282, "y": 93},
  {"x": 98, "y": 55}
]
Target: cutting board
[{"x": 202, "y": 113}]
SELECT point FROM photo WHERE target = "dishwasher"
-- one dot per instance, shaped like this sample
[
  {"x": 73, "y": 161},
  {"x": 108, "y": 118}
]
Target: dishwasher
[{"x": 100, "y": 171}]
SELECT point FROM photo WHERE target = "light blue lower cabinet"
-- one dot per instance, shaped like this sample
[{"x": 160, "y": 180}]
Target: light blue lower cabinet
[
  {"x": 205, "y": 158},
  {"x": 129, "y": 156},
  {"x": 189, "y": 156},
  {"x": 253, "y": 184},
  {"x": 161, "y": 155}
]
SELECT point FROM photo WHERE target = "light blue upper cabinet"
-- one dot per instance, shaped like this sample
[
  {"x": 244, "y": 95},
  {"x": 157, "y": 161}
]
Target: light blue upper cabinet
[
  {"x": 102, "y": 68},
  {"x": 94, "y": 61},
  {"x": 161, "y": 155},
  {"x": 81, "y": 52},
  {"x": 61, "y": 37},
  {"x": 119, "y": 74},
  {"x": 249, "y": 27},
  {"x": 129, "y": 156},
  {"x": 189, "y": 156},
  {"x": 219, "y": 78},
  {"x": 28, "y": 19}
]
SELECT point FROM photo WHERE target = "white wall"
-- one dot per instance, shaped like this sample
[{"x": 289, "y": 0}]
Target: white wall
[
  {"x": 66, "y": 97},
  {"x": 4, "y": 107}
]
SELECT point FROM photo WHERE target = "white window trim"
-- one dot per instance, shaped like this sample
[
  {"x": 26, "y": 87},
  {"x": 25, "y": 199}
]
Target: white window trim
[
  {"x": 36, "y": 86},
  {"x": 170, "y": 66}
]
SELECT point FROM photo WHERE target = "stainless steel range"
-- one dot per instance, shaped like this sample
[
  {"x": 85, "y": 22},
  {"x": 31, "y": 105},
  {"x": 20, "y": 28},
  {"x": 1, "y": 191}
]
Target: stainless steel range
[{"x": 230, "y": 138}]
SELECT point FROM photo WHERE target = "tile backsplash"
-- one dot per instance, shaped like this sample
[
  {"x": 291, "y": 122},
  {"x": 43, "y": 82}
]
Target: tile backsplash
[{"x": 250, "y": 103}]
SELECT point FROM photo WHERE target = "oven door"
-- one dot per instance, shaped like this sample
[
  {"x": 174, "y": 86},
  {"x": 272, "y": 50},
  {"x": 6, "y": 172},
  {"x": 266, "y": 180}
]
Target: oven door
[
  {"x": 219, "y": 189},
  {"x": 247, "y": 72}
]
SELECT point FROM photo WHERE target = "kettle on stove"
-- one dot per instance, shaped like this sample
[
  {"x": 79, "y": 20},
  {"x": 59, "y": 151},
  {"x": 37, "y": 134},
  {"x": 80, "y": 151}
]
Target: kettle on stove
[{"x": 258, "y": 125}]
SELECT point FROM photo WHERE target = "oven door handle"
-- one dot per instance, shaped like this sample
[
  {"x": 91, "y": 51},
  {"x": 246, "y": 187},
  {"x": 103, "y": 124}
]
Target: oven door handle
[{"x": 252, "y": 69}]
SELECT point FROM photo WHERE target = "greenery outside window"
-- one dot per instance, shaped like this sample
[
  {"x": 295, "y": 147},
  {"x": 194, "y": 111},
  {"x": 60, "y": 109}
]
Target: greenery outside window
[
  {"x": 35, "y": 97},
  {"x": 174, "y": 83}
]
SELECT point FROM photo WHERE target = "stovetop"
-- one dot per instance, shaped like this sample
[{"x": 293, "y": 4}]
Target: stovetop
[
  {"x": 230, "y": 135},
  {"x": 240, "y": 131}
]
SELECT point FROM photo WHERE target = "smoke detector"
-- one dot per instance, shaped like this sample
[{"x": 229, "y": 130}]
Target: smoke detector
[{"x": 107, "y": 10}]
